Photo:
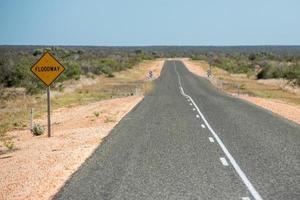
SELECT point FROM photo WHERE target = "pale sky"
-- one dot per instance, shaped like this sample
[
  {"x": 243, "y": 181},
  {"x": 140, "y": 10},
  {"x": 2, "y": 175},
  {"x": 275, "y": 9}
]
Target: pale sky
[{"x": 151, "y": 22}]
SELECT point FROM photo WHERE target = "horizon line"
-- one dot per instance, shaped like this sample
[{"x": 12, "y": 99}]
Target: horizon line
[{"x": 239, "y": 45}]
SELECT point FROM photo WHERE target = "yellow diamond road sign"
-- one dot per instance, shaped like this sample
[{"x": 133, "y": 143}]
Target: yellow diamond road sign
[{"x": 47, "y": 69}]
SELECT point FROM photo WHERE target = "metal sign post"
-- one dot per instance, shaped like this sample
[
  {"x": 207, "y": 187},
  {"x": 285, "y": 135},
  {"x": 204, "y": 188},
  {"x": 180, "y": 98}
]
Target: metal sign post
[
  {"x": 31, "y": 119},
  {"x": 49, "y": 111}
]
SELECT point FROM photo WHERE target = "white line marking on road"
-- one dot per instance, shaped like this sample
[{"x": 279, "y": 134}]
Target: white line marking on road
[
  {"x": 237, "y": 168},
  {"x": 246, "y": 198},
  {"x": 194, "y": 108},
  {"x": 191, "y": 104},
  {"x": 189, "y": 100},
  {"x": 224, "y": 161},
  {"x": 197, "y": 116},
  {"x": 202, "y": 125},
  {"x": 211, "y": 139}
]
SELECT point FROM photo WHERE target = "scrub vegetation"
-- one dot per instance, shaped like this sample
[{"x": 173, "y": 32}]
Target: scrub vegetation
[
  {"x": 37, "y": 130},
  {"x": 261, "y": 64},
  {"x": 20, "y": 90},
  {"x": 15, "y": 63},
  {"x": 269, "y": 72},
  {"x": 92, "y": 74},
  {"x": 251, "y": 86},
  {"x": 263, "y": 61}
]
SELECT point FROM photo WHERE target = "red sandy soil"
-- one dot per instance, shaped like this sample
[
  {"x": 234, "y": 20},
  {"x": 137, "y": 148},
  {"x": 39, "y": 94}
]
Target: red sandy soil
[
  {"x": 39, "y": 166},
  {"x": 290, "y": 112}
]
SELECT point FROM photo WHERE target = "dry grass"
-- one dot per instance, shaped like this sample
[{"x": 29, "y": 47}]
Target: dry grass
[
  {"x": 15, "y": 109},
  {"x": 248, "y": 85}
]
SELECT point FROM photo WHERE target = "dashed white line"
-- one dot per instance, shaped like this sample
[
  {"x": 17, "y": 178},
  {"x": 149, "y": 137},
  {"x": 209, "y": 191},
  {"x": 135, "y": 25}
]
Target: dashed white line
[
  {"x": 211, "y": 139},
  {"x": 237, "y": 168},
  {"x": 197, "y": 116},
  {"x": 246, "y": 198},
  {"x": 202, "y": 125},
  {"x": 194, "y": 108},
  {"x": 191, "y": 104},
  {"x": 224, "y": 161}
]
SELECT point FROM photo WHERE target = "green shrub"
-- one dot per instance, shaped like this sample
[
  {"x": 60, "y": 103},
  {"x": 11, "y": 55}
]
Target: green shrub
[
  {"x": 108, "y": 71},
  {"x": 90, "y": 75},
  {"x": 3, "y": 129},
  {"x": 269, "y": 71},
  {"x": 243, "y": 68},
  {"x": 37, "y": 130},
  {"x": 37, "y": 52},
  {"x": 109, "y": 120},
  {"x": 96, "y": 114},
  {"x": 252, "y": 57},
  {"x": 110, "y": 75},
  {"x": 262, "y": 74},
  {"x": 12, "y": 75},
  {"x": 9, "y": 145},
  {"x": 34, "y": 86},
  {"x": 292, "y": 73},
  {"x": 198, "y": 57},
  {"x": 72, "y": 71}
]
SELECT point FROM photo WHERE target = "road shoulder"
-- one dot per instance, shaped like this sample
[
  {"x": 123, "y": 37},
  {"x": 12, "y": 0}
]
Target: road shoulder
[{"x": 281, "y": 108}]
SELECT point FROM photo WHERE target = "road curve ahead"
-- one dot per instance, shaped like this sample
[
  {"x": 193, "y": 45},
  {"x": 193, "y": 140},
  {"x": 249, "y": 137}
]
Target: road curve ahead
[{"x": 186, "y": 140}]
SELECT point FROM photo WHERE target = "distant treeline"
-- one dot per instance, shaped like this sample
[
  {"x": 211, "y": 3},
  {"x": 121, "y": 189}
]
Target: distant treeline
[{"x": 261, "y": 61}]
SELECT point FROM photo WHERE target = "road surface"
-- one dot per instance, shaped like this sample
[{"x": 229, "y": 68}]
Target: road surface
[{"x": 186, "y": 140}]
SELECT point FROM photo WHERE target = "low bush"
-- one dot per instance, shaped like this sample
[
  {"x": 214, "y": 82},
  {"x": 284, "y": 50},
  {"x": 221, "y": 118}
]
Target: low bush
[
  {"x": 9, "y": 145},
  {"x": 72, "y": 71},
  {"x": 37, "y": 130},
  {"x": 109, "y": 119},
  {"x": 97, "y": 114},
  {"x": 291, "y": 73},
  {"x": 107, "y": 71},
  {"x": 37, "y": 52}
]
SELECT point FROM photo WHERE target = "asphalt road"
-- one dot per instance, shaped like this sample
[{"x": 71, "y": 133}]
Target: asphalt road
[{"x": 186, "y": 140}]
